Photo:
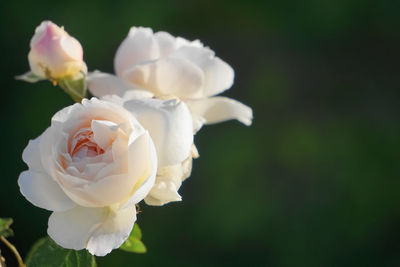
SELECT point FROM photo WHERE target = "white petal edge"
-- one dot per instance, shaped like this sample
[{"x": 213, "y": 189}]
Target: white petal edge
[
  {"x": 43, "y": 192},
  {"x": 31, "y": 155}
]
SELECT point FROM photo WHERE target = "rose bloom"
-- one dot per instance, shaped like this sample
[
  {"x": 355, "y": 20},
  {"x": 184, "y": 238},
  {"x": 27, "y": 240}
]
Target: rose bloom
[
  {"x": 92, "y": 165},
  {"x": 173, "y": 67},
  {"x": 54, "y": 53}
]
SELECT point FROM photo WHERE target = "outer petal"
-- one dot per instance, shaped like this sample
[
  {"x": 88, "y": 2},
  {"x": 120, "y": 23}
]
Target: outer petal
[
  {"x": 138, "y": 46},
  {"x": 169, "y": 124},
  {"x": 166, "y": 43},
  {"x": 168, "y": 76},
  {"x": 113, "y": 232},
  {"x": 101, "y": 84},
  {"x": 75, "y": 116},
  {"x": 98, "y": 229},
  {"x": 43, "y": 192},
  {"x": 218, "y": 75},
  {"x": 218, "y": 109},
  {"x": 47, "y": 144},
  {"x": 31, "y": 155}
]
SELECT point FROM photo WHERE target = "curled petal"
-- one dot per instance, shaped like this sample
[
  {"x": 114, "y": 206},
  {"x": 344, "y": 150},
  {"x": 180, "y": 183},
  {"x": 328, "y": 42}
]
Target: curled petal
[
  {"x": 219, "y": 109},
  {"x": 168, "y": 182},
  {"x": 163, "y": 192}
]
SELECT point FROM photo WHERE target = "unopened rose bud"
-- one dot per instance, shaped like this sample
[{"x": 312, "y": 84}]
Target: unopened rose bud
[{"x": 54, "y": 53}]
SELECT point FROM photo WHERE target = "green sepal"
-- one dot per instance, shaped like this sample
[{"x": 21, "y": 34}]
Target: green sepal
[
  {"x": 134, "y": 243},
  {"x": 29, "y": 77},
  {"x": 74, "y": 86}
]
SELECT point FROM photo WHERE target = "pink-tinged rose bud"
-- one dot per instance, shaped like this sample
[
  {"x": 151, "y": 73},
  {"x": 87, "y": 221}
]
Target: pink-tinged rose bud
[{"x": 54, "y": 53}]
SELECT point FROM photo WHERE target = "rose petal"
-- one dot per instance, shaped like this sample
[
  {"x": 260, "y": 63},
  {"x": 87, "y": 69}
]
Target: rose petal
[
  {"x": 103, "y": 192},
  {"x": 168, "y": 76},
  {"x": 163, "y": 192},
  {"x": 31, "y": 155},
  {"x": 101, "y": 84},
  {"x": 78, "y": 116},
  {"x": 166, "y": 43},
  {"x": 218, "y": 75},
  {"x": 99, "y": 230},
  {"x": 72, "y": 48},
  {"x": 104, "y": 132},
  {"x": 113, "y": 232},
  {"x": 218, "y": 109},
  {"x": 168, "y": 181},
  {"x": 148, "y": 175},
  {"x": 43, "y": 192},
  {"x": 169, "y": 124},
  {"x": 138, "y": 46}
]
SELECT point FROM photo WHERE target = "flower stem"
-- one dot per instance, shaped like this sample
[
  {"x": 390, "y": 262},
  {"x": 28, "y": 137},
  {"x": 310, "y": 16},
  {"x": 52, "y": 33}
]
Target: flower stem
[
  {"x": 2, "y": 261},
  {"x": 14, "y": 250}
]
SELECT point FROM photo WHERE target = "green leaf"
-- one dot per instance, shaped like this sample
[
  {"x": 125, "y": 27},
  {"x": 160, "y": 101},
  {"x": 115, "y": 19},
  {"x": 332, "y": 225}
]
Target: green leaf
[
  {"x": 134, "y": 243},
  {"x": 74, "y": 86},
  {"x": 46, "y": 253},
  {"x": 29, "y": 77},
  {"x": 5, "y": 229}
]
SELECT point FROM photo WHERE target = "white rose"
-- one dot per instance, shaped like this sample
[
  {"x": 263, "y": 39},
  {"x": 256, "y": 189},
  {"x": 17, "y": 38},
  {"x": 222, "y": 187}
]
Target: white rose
[
  {"x": 90, "y": 167},
  {"x": 173, "y": 67},
  {"x": 54, "y": 54},
  {"x": 169, "y": 124}
]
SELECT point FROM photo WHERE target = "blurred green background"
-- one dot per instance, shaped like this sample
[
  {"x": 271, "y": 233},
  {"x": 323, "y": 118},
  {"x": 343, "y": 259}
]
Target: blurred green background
[{"x": 313, "y": 182}]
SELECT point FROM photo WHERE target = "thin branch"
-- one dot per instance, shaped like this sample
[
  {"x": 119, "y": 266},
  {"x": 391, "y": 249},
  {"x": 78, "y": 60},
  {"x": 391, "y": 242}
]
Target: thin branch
[
  {"x": 14, "y": 250},
  {"x": 2, "y": 261}
]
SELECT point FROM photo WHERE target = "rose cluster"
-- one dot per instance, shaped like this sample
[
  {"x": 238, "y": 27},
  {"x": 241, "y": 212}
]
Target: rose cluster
[{"x": 132, "y": 141}]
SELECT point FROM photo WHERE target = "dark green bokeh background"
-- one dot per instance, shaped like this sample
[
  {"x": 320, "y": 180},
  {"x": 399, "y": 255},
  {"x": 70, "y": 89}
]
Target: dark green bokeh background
[{"x": 313, "y": 182}]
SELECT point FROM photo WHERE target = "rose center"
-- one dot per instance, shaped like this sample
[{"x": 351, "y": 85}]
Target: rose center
[{"x": 83, "y": 145}]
